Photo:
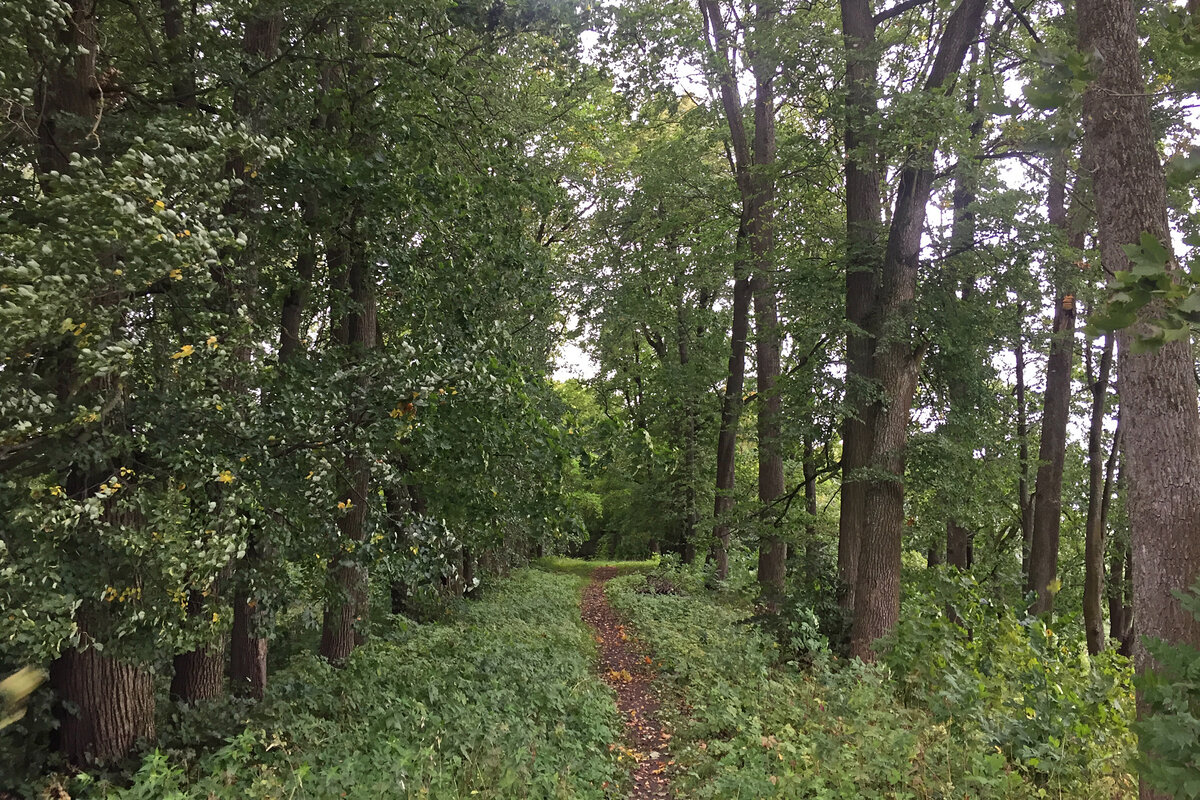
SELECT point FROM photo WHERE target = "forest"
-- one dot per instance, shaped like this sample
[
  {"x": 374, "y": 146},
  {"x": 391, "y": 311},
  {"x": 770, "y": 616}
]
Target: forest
[{"x": 599, "y": 398}]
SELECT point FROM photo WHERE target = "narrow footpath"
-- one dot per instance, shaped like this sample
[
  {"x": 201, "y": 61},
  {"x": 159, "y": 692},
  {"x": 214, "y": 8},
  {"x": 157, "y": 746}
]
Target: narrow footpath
[{"x": 631, "y": 675}]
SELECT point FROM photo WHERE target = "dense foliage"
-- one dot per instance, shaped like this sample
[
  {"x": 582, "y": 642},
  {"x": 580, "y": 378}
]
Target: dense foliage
[
  {"x": 1012, "y": 717},
  {"x": 896, "y": 302}
]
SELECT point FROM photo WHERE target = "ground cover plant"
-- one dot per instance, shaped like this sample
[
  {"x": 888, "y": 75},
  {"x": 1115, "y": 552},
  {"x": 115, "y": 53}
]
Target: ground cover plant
[
  {"x": 498, "y": 701},
  {"x": 752, "y": 722}
]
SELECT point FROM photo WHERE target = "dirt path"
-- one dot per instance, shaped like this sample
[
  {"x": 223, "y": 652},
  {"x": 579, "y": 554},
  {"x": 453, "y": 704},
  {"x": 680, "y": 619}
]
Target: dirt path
[{"x": 631, "y": 675}]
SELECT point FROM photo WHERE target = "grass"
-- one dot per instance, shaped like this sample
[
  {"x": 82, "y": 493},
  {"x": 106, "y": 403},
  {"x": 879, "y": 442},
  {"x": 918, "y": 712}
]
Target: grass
[{"x": 585, "y": 568}]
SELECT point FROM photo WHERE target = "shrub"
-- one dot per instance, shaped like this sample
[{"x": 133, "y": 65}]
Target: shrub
[{"x": 751, "y": 726}]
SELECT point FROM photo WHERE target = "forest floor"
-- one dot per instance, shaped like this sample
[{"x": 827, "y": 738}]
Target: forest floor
[
  {"x": 630, "y": 672},
  {"x": 505, "y": 697}
]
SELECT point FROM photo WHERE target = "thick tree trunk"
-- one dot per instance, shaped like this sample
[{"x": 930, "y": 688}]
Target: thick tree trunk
[
  {"x": 1056, "y": 411},
  {"x": 247, "y": 647},
  {"x": 863, "y": 232},
  {"x": 1157, "y": 388},
  {"x": 179, "y": 57},
  {"x": 105, "y": 705},
  {"x": 958, "y": 546},
  {"x": 896, "y": 362},
  {"x": 772, "y": 550},
  {"x": 199, "y": 674},
  {"x": 69, "y": 94},
  {"x": 1099, "y": 481}
]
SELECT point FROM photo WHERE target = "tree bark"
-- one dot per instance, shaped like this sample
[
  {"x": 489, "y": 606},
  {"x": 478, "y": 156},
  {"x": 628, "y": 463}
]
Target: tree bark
[
  {"x": 896, "y": 362},
  {"x": 1099, "y": 482},
  {"x": 1056, "y": 411},
  {"x": 958, "y": 546},
  {"x": 106, "y": 705},
  {"x": 198, "y": 675},
  {"x": 772, "y": 551},
  {"x": 1157, "y": 388},
  {"x": 863, "y": 232},
  {"x": 180, "y": 60},
  {"x": 722, "y": 51},
  {"x": 69, "y": 94},
  {"x": 962, "y": 242},
  {"x": 247, "y": 645}
]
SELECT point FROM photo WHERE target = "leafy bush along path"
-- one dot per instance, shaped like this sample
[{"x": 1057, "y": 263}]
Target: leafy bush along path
[{"x": 631, "y": 676}]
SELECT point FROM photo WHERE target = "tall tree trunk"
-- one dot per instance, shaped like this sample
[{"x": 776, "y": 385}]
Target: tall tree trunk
[
  {"x": 1056, "y": 411},
  {"x": 722, "y": 53},
  {"x": 69, "y": 92},
  {"x": 863, "y": 232},
  {"x": 1120, "y": 615},
  {"x": 896, "y": 362},
  {"x": 104, "y": 704},
  {"x": 198, "y": 675},
  {"x": 962, "y": 242},
  {"x": 1098, "y": 487},
  {"x": 958, "y": 546},
  {"x": 772, "y": 551},
  {"x": 1157, "y": 388},
  {"x": 731, "y": 411},
  {"x": 180, "y": 57}
]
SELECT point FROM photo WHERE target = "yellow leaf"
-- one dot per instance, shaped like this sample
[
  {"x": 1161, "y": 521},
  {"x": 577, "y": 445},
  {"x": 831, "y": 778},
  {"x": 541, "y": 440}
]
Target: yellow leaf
[{"x": 184, "y": 351}]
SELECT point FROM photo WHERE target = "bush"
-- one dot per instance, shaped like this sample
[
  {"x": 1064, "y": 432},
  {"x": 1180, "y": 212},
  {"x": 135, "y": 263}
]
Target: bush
[
  {"x": 1170, "y": 730},
  {"x": 1030, "y": 691},
  {"x": 752, "y": 726}
]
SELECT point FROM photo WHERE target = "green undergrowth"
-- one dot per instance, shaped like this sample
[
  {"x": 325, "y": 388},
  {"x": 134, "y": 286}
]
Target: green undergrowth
[
  {"x": 752, "y": 725},
  {"x": 582, "y": 568},
  {"x": 500, "y": 703}
]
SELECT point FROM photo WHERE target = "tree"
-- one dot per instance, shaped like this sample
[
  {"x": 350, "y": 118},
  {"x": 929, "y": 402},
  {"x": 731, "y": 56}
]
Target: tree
[
  {"x": 1056, "y": 401},
  {"x": 1158, "y": 394},
  {"x": 894, "y": 357}
]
